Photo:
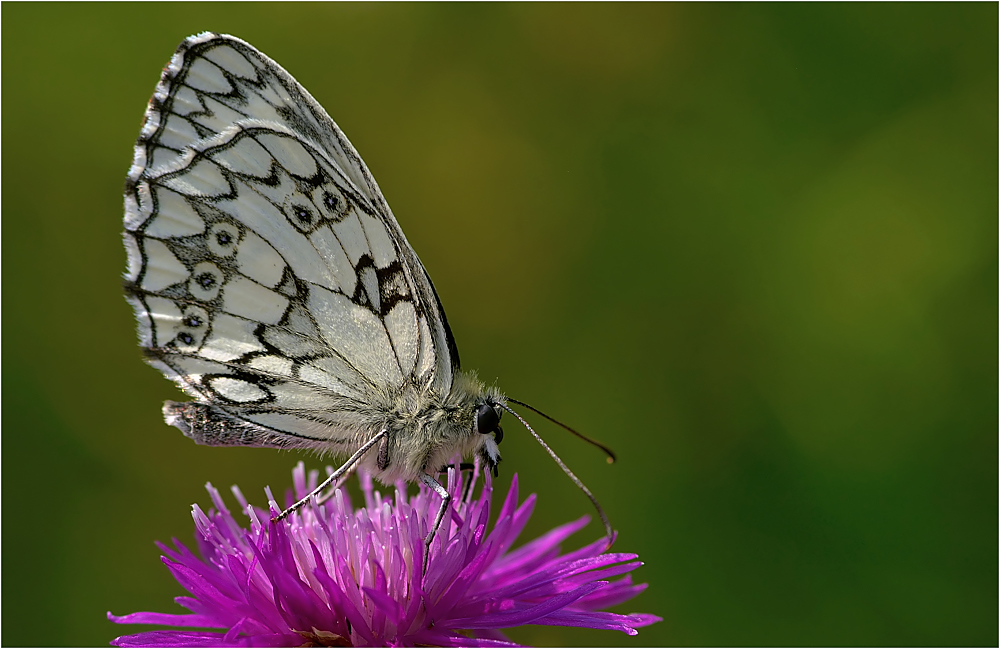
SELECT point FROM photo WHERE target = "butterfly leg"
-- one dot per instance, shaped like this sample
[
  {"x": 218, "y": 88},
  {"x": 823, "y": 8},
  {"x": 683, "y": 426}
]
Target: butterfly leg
[
  {"x": 466, "y": 485},
  {"x": 346, "y": 467},
  {"x": 322, "y": 498},
  {"x": 429, "y": 480},
  {"x": 464, "y": 466}
]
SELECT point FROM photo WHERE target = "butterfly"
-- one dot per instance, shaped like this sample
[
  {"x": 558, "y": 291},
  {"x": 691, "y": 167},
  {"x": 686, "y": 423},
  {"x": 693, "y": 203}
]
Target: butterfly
[{"x": 272, "y": 284}]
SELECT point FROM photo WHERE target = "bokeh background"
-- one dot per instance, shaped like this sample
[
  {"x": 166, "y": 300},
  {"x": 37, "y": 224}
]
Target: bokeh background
[{"x": 752, "y": 247}]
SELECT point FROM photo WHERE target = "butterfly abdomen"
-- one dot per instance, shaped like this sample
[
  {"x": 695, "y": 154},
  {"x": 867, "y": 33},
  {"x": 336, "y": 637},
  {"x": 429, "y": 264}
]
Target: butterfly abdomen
[{"x": 212, "y": 426}]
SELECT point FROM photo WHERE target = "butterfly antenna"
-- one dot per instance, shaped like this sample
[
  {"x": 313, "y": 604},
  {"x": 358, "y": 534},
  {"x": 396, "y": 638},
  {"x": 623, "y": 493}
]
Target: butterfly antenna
[
  {"x": 608, "y": 451},
  {"x": 562, "y": 465}
]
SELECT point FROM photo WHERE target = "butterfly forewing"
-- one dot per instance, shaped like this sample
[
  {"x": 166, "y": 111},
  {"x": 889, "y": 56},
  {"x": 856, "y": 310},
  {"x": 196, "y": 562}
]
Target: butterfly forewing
[{"x": 268, "y": 275}]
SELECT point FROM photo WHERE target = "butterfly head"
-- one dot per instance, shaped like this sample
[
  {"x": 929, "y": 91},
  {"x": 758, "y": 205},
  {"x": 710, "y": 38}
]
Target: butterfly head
[{"x": 487, "y": 420}]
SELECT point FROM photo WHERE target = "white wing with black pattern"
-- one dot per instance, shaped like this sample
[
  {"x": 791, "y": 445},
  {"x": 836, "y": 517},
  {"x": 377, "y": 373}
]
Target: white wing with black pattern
[{"x": 269, "y": 278}]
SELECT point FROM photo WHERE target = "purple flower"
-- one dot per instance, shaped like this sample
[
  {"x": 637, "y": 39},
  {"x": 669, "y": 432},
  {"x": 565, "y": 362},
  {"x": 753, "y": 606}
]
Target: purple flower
[{"x": 333, "y": 575}]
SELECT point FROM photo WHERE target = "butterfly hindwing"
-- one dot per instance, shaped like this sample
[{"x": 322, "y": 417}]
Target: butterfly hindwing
[{"x": 269, "y": 277}]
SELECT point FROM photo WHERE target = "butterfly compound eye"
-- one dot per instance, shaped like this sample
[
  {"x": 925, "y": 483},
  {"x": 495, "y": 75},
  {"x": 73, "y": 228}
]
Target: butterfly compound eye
[{"x": 487, "y": 419}]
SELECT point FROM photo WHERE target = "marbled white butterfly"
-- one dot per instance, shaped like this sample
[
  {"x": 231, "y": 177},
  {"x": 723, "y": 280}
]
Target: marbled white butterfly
[{"x": 272, "y": 283}]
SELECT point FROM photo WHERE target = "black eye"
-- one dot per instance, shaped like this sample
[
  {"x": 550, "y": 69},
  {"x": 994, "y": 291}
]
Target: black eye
[{"x": 487, "y": 419}]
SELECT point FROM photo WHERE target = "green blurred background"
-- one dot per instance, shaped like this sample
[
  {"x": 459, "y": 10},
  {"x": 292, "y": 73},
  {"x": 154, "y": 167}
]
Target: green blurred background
[{"x": 752, "y": 247}]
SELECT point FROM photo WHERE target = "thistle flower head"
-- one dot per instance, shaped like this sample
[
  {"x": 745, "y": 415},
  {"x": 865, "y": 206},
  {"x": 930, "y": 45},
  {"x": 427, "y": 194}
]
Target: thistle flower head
[{"x": 336, "y": 575}]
